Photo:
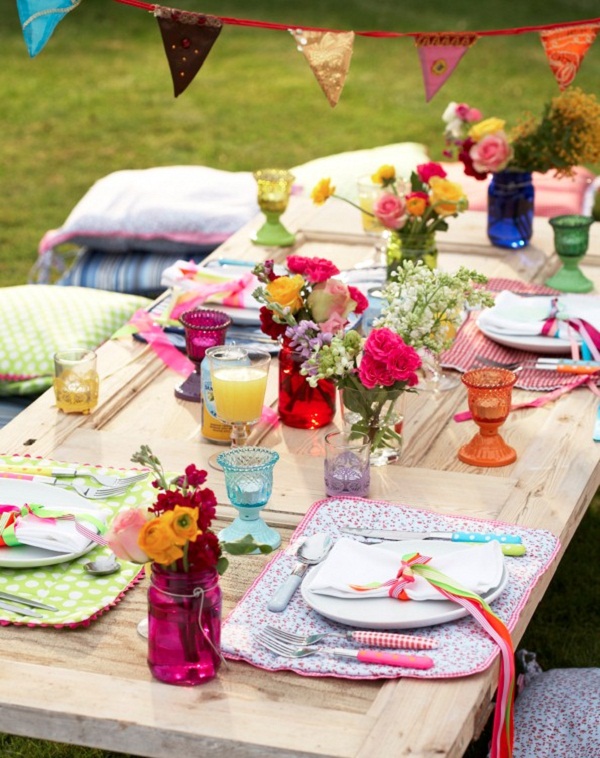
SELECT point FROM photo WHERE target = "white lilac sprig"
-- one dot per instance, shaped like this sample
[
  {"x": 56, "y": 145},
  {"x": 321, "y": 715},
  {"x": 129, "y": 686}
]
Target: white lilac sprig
[
  {"x": 334, "y": 360},
  {"x": 426, "y": 307}
]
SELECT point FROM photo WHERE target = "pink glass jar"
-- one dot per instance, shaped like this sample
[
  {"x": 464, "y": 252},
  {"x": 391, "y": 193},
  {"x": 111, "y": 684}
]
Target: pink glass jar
[{"x": 184, "y": 625}]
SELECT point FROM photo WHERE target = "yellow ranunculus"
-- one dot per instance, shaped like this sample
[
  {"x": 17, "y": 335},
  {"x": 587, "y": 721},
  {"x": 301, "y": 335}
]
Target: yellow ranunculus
[
  {"x": 322, "y": 191},
  {"x": 285, "y": 291},
  {"x": 447, "y": 197},
  {"x": 184, "y": 523},
  {"x": 487, "y": 126},
  {"x": 157, "y": 540},
  {"x": 384, "y": 175}
]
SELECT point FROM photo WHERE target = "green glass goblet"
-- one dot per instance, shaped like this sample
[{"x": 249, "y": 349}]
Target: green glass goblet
[{"x": 571, "y": 239}]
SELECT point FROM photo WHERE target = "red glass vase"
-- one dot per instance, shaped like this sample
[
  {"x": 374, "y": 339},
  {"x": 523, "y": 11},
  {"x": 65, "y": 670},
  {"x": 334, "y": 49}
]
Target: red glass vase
[
  {"x": 301, "y": 405},
  {"x": 184, "y": 625}
]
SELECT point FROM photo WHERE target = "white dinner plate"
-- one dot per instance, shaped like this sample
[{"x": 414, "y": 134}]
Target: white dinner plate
[
  {"x": 21, "y": 491},
  {"x": 533, "y": 343},
  {"x": 387, "y": 613}
]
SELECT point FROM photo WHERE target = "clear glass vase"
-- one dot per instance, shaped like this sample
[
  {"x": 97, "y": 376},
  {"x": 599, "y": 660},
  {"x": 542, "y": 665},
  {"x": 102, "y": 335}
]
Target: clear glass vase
[
  {"x": 184, "y": 625},
  {"x": 299, "y": 404},
  {"x": 379, "y": 414},
  {"x": 510, "y": 209},
  {"x": 414, "y": 247}
]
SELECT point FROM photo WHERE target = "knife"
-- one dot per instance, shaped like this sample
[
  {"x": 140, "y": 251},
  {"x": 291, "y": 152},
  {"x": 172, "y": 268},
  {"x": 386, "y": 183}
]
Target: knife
[
  {"x": 511, "y": 544},
  {"x": 566, "y": 366},
  {"x": 22, "y": 611},
  {"x": 26, "y": 601}
]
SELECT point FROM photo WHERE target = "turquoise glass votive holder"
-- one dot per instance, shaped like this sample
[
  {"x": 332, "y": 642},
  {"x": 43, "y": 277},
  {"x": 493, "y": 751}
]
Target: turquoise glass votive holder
[{"x": 249, "y": 482}]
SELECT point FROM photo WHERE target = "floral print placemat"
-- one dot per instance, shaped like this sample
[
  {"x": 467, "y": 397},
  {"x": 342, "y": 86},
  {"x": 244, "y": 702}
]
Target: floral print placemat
[
  {"x": 463, "y": 647},
  {"x": 79, "y": 596}
]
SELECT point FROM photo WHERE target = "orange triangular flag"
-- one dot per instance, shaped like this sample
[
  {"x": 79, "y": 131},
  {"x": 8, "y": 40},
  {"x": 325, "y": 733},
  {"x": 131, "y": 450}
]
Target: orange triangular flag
[
  {"x": 440, "y": 54},
  {"x": 565, "y": 48},
  {"x": 188, "y": 38},
  {"x": 328, "y": 54}
]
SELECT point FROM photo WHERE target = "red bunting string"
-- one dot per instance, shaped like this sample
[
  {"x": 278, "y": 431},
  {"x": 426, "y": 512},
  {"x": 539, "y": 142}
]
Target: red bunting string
[{"x": 285, "y": 27}]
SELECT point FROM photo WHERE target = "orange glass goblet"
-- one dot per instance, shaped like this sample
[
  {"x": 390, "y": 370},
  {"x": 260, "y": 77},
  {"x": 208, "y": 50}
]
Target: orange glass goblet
[{"x": 489, "y": 395}]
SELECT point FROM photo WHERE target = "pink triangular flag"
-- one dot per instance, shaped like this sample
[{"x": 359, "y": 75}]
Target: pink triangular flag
[
  {"x": 328, "y": 54},
  {"x": 565, "y": 48},
  {"x": 440, "y": 54}
]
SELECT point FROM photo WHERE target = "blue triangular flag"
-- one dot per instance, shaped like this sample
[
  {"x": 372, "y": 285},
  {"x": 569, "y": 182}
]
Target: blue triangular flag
[{"x": 39, "y": 18}]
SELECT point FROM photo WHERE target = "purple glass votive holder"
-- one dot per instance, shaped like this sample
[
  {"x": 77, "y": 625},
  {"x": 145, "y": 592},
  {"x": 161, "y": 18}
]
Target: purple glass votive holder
[
  {"x": 204, "y": 328},
  {"x": 347, "y": 465}
]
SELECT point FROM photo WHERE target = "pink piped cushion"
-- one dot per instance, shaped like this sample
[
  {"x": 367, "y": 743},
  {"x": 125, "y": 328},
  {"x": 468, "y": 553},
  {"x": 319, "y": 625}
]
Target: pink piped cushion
[{"x": 553, "y": 197}]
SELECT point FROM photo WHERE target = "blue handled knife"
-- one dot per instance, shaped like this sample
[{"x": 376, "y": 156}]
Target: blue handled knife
[{"x": 511, "y": 543}]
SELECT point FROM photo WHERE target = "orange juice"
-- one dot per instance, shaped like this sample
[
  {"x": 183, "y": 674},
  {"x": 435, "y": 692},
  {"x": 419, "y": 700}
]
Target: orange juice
[{"x": 239, "y": 393}]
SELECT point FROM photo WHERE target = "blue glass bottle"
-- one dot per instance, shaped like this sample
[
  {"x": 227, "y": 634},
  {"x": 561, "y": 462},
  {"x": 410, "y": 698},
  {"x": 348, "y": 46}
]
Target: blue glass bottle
[{"x": 510, "y": 209}]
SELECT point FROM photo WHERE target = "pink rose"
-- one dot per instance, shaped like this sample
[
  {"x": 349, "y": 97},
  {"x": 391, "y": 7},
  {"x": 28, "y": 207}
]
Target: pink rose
[
  {"x": 387, "y": 359},
  {"x": 378, "y": 343},
  {"x": 123, "y": 535},
  {"x": 328, "y": 298},
  {"x": 465, "y": 113},
  {"x": 402, "y": 362},
  {"x": 426, "y": 170},
  {"x": 390, "y": 210},
  {"x": 334, "y": 324},
  {"x": 491, "y": 153},
  {"x": 315, "y": 270}
]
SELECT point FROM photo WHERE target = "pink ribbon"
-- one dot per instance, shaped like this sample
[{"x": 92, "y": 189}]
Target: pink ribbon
[
  {"x": 589, "y": 334},
  {"x": 201, "y": 292},
  {"x": 160, "y": 343},
  {"x": 405, "y": 575}
]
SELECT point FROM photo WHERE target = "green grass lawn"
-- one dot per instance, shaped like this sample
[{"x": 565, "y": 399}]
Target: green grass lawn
[{"x": 99, "y": 98}]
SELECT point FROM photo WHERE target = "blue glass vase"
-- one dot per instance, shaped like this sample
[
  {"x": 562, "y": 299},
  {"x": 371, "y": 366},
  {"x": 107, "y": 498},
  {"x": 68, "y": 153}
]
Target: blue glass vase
[{"x": 510, "y": 209}]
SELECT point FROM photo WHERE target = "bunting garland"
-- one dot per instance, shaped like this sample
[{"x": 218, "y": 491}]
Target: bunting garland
[
  {"x": 440, "y": 54},
  {"x": 328, "y": 54},
  {"x": 189, "y": 37},
  {"x": 565, "y": 48}
]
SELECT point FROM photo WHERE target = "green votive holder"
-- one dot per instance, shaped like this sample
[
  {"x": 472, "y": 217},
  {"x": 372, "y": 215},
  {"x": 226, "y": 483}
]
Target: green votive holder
[{"x": 571, "y": 240}]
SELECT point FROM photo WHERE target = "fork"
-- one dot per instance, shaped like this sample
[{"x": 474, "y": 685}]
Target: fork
[
  {"x": 509, "y": 366},
  {"x": 91, "y": 493},
  {"x": 72, "y": 472},
  {"x": 378, "y": 639},
  {"x": 365, "y": 656}
]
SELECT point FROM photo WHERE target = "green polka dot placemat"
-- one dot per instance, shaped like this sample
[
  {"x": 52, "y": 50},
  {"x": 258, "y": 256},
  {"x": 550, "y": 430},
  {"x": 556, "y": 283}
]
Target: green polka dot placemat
[{"x": 79, "y": 596}]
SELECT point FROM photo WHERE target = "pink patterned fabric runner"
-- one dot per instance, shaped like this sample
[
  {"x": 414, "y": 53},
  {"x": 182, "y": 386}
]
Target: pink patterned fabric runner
[
  {"x": 463, "y": 647},
  {"x": 471, "y": 342}
]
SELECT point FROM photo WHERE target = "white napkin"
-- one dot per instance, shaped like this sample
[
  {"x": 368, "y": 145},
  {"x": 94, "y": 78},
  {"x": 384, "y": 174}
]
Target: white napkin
[
  {"x": 477, "y": 567},
  {"x": 517, "y": 315},
  {"x": 57, "y": 535}
]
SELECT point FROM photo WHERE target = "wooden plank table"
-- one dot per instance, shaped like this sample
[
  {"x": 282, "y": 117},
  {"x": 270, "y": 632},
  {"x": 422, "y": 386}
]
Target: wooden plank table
[{"x": 91, "y": 686}]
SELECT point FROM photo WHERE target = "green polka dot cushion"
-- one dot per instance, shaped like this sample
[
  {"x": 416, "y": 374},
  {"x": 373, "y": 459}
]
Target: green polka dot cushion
[{"x": 36, "y": 320}]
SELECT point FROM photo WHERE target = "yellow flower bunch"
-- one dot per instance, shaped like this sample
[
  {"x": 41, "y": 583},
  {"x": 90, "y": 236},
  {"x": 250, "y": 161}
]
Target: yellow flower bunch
[
  {"x": 566, "y": 135},
  {"x": 163, "y": 538}
]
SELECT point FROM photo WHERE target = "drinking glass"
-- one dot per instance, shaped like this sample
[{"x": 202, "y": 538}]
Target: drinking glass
[
  {"x": 347, "y": 464},
  {"x": 368, "y": 193},
  {"x": 489, "y": 393},
  {"x": 204, "y": 328},
  {"x": 76, "y": 383},
  {"x": 274, "y": 187},
  {"x": 239, "y": 382}
]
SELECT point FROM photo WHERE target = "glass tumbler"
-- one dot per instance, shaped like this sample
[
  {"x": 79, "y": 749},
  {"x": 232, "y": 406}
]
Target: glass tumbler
[{"x": 76, "y": 382}]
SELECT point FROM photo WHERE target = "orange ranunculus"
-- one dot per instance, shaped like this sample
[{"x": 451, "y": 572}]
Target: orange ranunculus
[
  {"x": 384, "y": 175},
  {"x": 416, "y": 203},
  {"x": 184, "y": 523},
  {"x": 157, "y": 539},
  {"x": 323, "y": 191},
  {"x": 285, "y": 291},
  {"x": 447, "y": 197},
  {"x": 488, "y": 126}
]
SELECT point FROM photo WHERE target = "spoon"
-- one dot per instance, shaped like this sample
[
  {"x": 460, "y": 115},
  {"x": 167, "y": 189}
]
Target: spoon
[
  {"x": 106, "y": 564},
  {"x": 312, "y": 551}
]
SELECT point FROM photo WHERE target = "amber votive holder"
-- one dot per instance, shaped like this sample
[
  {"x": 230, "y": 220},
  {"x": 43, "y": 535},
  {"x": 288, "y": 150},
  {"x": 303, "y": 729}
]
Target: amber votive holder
[{"x": 489, "y": 393}]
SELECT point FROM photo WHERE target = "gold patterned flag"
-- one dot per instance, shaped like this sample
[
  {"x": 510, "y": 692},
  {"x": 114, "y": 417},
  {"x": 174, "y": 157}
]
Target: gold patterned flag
[
  {"x": 188, "y": 38},
  {"x": 440, "y": 53},
  {"x": 565, "y": 48},
  {"x": 328, "y": 54}
]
